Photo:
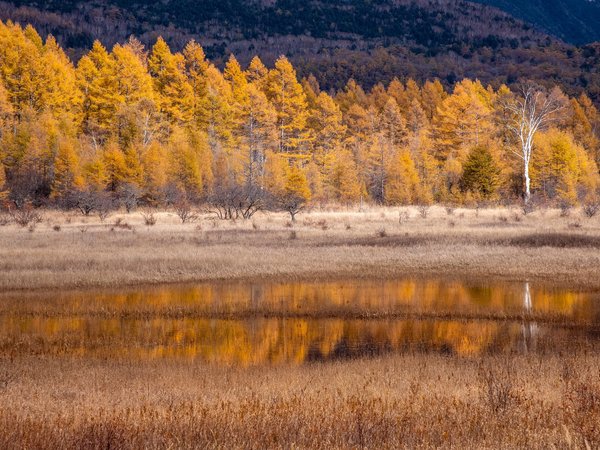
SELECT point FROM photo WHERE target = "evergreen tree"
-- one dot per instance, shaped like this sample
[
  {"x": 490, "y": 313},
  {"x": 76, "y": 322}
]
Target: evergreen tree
[{"x": 481, "y": 174}]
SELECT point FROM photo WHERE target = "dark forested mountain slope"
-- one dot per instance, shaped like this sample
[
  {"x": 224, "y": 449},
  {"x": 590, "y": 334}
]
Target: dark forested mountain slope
[
  {"x": 369, "y": 40},
  {"x": 576, "y": 21}
]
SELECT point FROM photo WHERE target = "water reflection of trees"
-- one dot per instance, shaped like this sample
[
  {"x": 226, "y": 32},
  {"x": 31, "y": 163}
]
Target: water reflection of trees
[
  {"x": 69, "y": 325},
  {"x": 529, "y": 328},
  {"x": 425, "y": 295},
  {"x": 259, "y": 341}
]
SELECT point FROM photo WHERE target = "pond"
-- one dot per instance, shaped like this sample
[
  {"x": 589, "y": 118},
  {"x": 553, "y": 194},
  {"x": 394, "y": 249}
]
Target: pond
[{"x": 249, "y": 324}]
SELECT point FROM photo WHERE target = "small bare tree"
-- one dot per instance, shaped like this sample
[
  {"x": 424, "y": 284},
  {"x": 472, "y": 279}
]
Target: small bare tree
[
  {"x": 129, "y": 194},
  {"x": 105, "y": 204},
  {"x": 232, "y": 201},
  {"x": 90, "y": 200},
  {"x": 591, "y": 207},
  {"x": 292, "y": 203},
  {"x": 184, "y": 210},
  {"x": 85, "y": 201},
  {"x": 27, "y": 215},
  {"x": 529, "y": 113}
]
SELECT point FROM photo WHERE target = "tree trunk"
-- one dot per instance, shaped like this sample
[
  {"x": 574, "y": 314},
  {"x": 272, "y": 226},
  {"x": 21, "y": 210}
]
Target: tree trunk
[{"x": 527, "y": 182}]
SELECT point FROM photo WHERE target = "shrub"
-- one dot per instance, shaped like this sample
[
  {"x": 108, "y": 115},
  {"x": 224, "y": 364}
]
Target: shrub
[
  {"x": 26, "y": 216},
  {"x": 323, "y": 224},
  {"x": 403, "y": 217},
  {"x": 590, "y": 209},
  {"x": 123, "y": 225},
  {"x": 129, "y": 194},
  {"x": 423, "y": 211},
  {"x": 103, "y": 209},
  {"x": 565, "y": 209},
  {"x": 5, "y": 219},
  {"x": 149, "y": 218},
  {"x": 528, "y": 207}
]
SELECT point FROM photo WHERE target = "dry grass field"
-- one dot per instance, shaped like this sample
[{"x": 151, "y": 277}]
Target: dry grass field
[
  {"x": 409, "y": 401},
  {"x": 66, "y": 250},
  {"x": 54, "y": 396}
]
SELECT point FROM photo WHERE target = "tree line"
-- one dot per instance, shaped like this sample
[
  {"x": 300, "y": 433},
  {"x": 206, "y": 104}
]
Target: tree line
[{"x": 133, "y": 126}]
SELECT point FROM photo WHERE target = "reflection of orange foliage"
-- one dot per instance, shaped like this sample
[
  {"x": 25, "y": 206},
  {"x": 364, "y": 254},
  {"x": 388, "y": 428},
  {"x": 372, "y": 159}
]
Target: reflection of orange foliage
[
  {"x": 361, "y": 295},
  {"x": 76, "y": 330},
  {"x": 255, "y": 341}
]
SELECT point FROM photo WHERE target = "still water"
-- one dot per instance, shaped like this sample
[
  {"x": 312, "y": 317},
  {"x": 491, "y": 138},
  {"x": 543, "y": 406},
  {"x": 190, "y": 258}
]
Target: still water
[{"x": 280, "y": 323}]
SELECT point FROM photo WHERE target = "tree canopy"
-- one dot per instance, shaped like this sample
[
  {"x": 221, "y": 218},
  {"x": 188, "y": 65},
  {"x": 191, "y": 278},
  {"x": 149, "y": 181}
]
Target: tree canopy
[{"x": 162, "y": 125}]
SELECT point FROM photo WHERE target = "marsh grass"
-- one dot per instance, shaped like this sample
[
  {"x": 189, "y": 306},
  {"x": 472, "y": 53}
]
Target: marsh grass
[
  {"x": 344, "y": 243},
  {"x": 498, "y": 391},
  {"x": 409, "y": 401}
]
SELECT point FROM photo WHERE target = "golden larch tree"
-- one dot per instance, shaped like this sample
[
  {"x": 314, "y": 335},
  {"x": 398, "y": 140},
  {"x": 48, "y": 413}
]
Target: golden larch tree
[
  {"x": 174, "y": 92},
  {"x": 289, "y": 100}
]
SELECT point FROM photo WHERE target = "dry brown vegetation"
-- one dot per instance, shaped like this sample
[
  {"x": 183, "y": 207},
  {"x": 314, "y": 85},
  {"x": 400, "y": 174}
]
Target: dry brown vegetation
[
  {"x": 407, "y": 401},
  {"x": 68, "y": 250},
  {"x": 81, "y": 371}
]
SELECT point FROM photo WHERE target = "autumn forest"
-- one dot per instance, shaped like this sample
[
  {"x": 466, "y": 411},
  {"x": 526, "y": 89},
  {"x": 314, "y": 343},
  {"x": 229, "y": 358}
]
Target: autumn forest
[{"x": 131, "y": 126}]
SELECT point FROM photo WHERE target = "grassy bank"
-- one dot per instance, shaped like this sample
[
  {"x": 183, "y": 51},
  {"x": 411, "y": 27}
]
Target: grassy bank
[
  {"x": 70, "y": 251},
  {"x": 410, "y": 401}
]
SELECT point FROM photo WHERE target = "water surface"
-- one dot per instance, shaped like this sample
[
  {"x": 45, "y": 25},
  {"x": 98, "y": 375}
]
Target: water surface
[{"x": 274, "y": 323}]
